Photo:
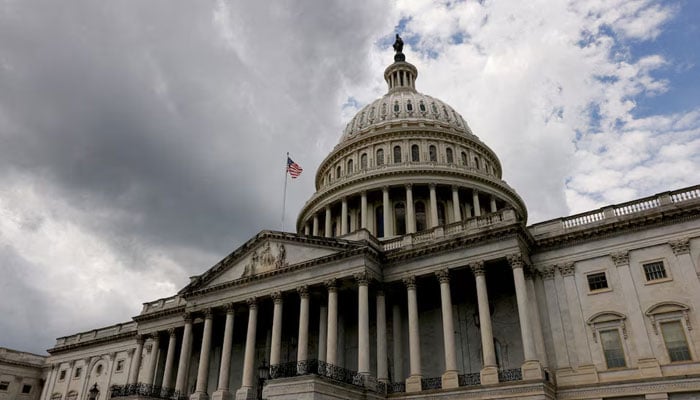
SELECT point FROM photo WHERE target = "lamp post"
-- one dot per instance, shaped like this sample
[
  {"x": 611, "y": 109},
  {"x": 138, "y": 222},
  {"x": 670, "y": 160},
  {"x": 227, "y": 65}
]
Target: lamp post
[
  {"x": 93, "y": 393},
  {"x": 263, "y": 375}
]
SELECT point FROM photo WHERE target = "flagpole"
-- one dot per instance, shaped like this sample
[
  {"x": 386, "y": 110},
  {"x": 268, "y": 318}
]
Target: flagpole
[{"x": 284, "y": 197}]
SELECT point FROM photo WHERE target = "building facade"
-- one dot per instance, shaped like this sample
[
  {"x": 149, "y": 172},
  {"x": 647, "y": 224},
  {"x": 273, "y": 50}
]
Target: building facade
[
  {"x": 20, "y": 375},
  {"x": 413, "y": 274}
]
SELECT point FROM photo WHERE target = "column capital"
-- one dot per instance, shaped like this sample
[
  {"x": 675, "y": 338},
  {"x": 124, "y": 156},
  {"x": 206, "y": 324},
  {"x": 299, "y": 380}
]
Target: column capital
[
  {"x": 208, "y": 313},
  {"x": 385, "y": 188},
  {"x": 477, "y": 268},
  {"x": 530, "y": 272},
  {"x": 410, "y": 282},
  {"x": 567, "y": 269},
  {"x": 621, "y": 258},
  {"x": 475, "y": 191},
  {"x": 112, "y": 356},
  {"x": 171, "y": 332},
  {"x": 362, "y": 278},
  {"x": 303, "y": 291},
  {"x": 515, "y": 260},
  {"x": 328, "y": 207},
  {"x": 380, "y": 291},
  {"x": 276, "y": 297},
  {"x": 230, "y": 308},
  {"x": 187, "y": 317},
  {"x": 130, "y": 352},
  {"x": 154, "y": 336},
  {"x": 680, "y": 246},
  {"x": 548, "y": 272},
  {"x": 443, "y": 275},
  {"x": 139, "y": 339},
  {"x": 432, "y": 185},
  {"x": 331, "y": 285},
  {"x": 252, "y": 303},
  {"x": 409, "y": 186},
  {"x": 455, "y": 188}
]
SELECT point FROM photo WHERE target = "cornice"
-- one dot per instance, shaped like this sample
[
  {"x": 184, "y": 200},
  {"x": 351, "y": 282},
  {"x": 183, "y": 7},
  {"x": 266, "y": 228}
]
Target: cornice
[
  {"x": 159, "y": 314},
  {"x": 22, "y": 363}
]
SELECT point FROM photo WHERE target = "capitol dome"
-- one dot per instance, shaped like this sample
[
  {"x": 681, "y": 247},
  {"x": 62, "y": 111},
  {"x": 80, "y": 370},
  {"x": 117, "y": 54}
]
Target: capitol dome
[{"x": 406, "y": 163}]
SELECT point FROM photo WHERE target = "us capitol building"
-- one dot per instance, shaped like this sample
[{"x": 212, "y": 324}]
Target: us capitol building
[{"x": 413, "y": 275}]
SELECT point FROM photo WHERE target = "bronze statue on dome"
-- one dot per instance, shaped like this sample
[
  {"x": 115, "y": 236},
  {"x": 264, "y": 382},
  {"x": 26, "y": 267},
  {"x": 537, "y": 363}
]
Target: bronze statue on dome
[{"x": 398, "y": 48}]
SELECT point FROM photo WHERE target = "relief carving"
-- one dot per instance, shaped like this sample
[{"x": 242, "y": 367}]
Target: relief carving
[{"x": 266, "y": 260}]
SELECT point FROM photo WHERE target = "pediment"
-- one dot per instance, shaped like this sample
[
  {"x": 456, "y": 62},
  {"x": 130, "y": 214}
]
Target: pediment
[
  {"x": 666, "y": 307},
  {"x": 266, "y": 252}
]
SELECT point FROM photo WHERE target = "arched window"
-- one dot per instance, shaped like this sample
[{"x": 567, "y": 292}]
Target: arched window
[
  {"x": 421, "y": 106},
  {"x": 449, "y": 156},
  {"x": 415, "y": 153},
  {"x": 72, "y": 395},
  {"x": 349, "y": 170},
  {"x": 433, "y": 153},
  {"x": 400, "y": 218},
  {"x": 337, "y": 172},
  {"x": 56, "y": 396},
  {"x": 397, "y": 154},
  {"x": 476, "y": 162},
  {"x": 379, "y": 221},
  {"x": 380, "y": 157},
  {"x": 464, "y": 158},
  {"x": 421, "y": 224},
  {"x": 441, "y": 213},
  {"x": 363, "y": 161},
  {"x": 409, "y": 106}
]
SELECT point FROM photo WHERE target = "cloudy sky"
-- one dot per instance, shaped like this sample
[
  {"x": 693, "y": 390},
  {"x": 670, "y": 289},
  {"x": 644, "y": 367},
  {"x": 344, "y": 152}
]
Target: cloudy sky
[{"x": 142, "y": 141}]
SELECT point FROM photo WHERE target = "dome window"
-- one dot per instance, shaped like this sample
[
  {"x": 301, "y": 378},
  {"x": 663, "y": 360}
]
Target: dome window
[
  {"x": 464, "y": 158},
  {"x": 380, "y": 157},
  {"x": 415, "y": 153},
  {"x": 433, "y": 153},
  {"x": 371, "y": 114},
  {"x": 421, "y": 106},
  {"x": 400, "y": 218},
  {"x": 449, "y": 156},
  {"x": 447, "y": 115},
  {"x": 397, "y": 154},
  {"x": 337, "y": 172},
  {"x": 397, "y": 108},
  {"x": 349, "y": 170},
  {"x": 434, "y": 108},
  {"x": 476, "y": 162},
  {"x": 383, "y": 110},
  {"x": 409, "y": 106},
  {"x": 363, "y": 161}
]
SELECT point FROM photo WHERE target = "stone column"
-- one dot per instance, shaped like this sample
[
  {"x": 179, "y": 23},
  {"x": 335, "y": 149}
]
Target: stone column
[
  {"x": 455, "y": 204},
  {"x": 276, "y": 343},
  {"x": 151, "y": 367},
  {"x": 397, "y": 355},
  {"x": 363, "y": 210},
  {"x": 185, "y": 353},
  {"x": 200, "y": 392},
  {"x": 314, "y": 230},
  {"x": 413, "y": 383},
  {"x": 477, "y": 206},
  {"x": 493, "y": 204},
  {"x": 581, "y": 345},
  {"x": 344, "y": 216},
  {"x": 332, "y": 341},
  {"x": 327, "y": 221},
  {"x": 322, "y": 332},
  {"x": 362, "y": 323},
  {"x": 303, "y": 346},
  {"x": 387, "y": 212},
  {"x": 531, "y": 369},
  {"x": 382, "y": 366},
  {"x": 489, "y": 371},
  {"x": 222, "y": 389},
  {"x": 410, "y": 211},
  {"x": 45, "y": 386},
  {"x": 449, "y": 377},
  {"x": 69, "y": 373},
  {"x": 135, "y": 362},
  {"x": 169, "y": 360},
  {"x": 433, "y": 206},
  {"x": 534, "y": 312},
  {"x": 555, "y": 321},
  {"x": 248, "y": 384},
  {"x": 646, "y": 362}
]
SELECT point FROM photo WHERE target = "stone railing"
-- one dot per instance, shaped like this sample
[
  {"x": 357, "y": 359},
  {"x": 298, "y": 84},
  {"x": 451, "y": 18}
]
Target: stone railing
[
  {"x": 143, "y": 390},
  {"x": 96, "y": 334},
  {"x": 328, "y": 371},
  {"x": 162, "y": 304},
  {"x": 509, "y": 375},
  {"x": 469, "y": 379},
  {"x": 468, "y": 226},
  {"x": 612, "y": 212}
]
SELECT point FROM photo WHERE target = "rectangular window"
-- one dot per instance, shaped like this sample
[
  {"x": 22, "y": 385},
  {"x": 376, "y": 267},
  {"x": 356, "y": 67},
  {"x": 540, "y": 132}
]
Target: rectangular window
[
  {"x": 612, "y": 347},
  {"x": 4, "y": 385},
  {"x": 120, "y": 365},
  {"x": 62, "y": 375},
  {"x": 26, "y": 389},
  {"x": 676, "y": 344},
  {"x": 78, "y": 370},
  {"x": 597, "y": 281},
  {"x": 654, "y": 271}
]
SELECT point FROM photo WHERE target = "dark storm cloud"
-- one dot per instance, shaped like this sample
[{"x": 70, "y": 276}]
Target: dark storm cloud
[{"x": 164, "y": 132}]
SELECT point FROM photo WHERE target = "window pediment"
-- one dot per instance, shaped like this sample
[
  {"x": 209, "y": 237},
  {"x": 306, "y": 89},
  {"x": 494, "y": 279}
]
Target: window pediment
[
  {"x": 607, "y": 319},
  {"x": 668, "y": 310}
]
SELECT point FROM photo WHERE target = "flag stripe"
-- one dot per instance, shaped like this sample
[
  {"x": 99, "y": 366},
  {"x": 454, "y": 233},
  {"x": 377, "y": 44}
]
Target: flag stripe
[{"x": 293, "y": 168}]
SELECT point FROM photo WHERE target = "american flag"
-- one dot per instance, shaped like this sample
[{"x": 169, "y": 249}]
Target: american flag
[{"x": 293, "y": 168}]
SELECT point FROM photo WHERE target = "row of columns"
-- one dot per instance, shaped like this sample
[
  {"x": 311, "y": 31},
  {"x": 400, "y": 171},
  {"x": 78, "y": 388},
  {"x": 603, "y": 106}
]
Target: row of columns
[
  {"x": 328, "y": 336},
  {"x": 312, "y": 227}
]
